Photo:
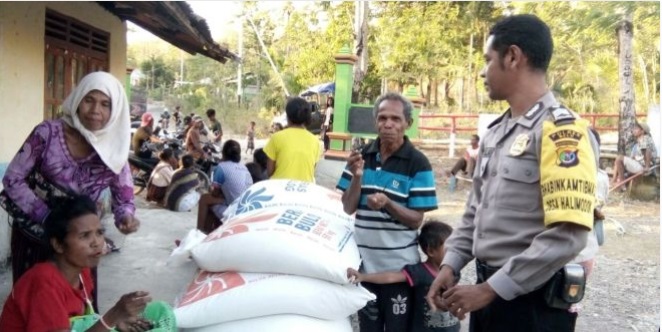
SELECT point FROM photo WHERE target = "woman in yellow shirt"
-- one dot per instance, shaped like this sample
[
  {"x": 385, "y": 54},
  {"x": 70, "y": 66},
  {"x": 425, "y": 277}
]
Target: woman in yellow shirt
[{"x": 294, "y": 151}]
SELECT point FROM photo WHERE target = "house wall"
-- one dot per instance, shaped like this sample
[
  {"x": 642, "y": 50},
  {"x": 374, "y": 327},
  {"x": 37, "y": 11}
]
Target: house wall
[{"x": 22, "y": 26}]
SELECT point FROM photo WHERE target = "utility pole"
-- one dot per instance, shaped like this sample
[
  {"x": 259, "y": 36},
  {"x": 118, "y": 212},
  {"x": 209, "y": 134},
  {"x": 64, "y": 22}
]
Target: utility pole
[
  {"x": 240, "y": 68},
  {"x": 266, "y": 53}
]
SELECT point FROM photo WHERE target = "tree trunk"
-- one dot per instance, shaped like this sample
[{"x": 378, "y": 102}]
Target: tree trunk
[
  {"x": 428, "y": 93},
  {"x": 360, "y": 45},
  {"x": 470, "y": 86},
  {"x": 447, "y": 93},
  {"x": 436, "y": 92},
  {"x": 462, "y": 95},
  {"x": 627, "y": 117},
  {"x": 642, "y": 63}
]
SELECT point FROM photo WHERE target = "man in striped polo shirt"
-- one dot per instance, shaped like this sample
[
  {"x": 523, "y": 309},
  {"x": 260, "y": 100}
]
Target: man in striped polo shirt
[{"x": 390, "y": 184}]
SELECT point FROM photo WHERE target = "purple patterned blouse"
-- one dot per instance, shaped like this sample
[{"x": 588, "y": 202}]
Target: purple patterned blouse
[{"x": 46, "y": 149}]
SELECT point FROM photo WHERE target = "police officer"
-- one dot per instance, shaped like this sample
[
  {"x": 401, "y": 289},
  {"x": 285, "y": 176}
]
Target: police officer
[{"x": 533, "y": 193}]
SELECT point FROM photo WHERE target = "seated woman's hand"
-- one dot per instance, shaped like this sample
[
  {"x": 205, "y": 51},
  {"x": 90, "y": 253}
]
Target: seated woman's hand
[
  {"x": 138, "y": 325},
  {"x": 128, "y": 308}
]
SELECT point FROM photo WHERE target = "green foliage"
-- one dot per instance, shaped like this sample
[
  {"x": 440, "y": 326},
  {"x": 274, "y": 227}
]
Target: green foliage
[
  {"x": 157, "y": 73},
  {"x": 437, "y": 46}
]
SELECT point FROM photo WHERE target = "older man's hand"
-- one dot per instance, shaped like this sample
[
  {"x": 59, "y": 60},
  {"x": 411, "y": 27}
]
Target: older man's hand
[
  {"x": 444, "y": 280},
  {"x": 377, "y": 201},
  {"x": 355, "y": 164},
  {"x": 462, "y": 299}
]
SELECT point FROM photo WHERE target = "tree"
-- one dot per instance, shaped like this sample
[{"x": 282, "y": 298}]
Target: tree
[
  {"x": 626, "y": 101},
  {"x": 361, "y": 15},
  {"x": 158, "y": 75}
]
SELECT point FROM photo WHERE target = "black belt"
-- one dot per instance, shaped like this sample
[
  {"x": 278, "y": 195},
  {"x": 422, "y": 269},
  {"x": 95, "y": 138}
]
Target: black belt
[{"x": 484, "y": 271}]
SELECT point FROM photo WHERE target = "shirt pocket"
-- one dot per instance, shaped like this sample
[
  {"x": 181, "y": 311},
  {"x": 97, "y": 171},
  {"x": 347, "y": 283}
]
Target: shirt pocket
[{"x": 519, "y": 188}]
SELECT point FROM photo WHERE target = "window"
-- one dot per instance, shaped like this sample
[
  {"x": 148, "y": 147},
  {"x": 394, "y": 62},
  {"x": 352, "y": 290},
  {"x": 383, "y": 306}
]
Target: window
[{"x": 73, "y": 49}]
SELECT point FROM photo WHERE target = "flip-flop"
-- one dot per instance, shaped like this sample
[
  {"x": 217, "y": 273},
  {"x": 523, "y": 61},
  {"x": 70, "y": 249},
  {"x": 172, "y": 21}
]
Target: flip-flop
[{"x": 110, "y": 244}]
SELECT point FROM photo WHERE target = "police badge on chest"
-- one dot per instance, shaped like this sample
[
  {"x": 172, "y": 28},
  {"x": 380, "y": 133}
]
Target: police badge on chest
[{"x": 519, "y": 145}]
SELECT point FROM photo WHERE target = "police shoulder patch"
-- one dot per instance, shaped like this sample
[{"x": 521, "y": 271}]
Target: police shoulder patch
[
  {"x": 566, "y": 142},
  {"x": 561, "y": 115}
]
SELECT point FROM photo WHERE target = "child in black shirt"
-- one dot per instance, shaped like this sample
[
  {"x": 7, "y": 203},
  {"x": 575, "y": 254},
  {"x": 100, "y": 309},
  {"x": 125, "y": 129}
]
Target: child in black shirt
[{"x": 420, "y": 276}]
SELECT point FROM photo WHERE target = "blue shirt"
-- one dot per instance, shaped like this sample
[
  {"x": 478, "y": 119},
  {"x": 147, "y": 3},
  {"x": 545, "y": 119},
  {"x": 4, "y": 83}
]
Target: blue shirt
[
  {"x": 406, "y": 178},
  {"x": 233, "y": 178}
]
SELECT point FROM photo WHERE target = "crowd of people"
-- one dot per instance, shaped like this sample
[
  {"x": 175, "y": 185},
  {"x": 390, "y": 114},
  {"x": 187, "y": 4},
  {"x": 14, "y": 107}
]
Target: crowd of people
[{"x": 518, "y": 226}]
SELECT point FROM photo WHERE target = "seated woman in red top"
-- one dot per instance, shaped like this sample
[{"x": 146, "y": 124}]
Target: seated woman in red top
[{"x": 50, "y": 293}]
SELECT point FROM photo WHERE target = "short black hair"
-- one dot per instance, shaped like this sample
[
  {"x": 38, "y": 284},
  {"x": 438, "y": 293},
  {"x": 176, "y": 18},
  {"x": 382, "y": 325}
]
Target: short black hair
[
  {"x": 298, "y": 111},
  {"x": 231, "y": 151},
  {"x": 166, "y": 154},
  {"x": 476, "y": 137},
  {"x": 407, "y": 106},
  {"x": 66, "y": 209},
  {"x": 256, "y": 171},
  {"x": 527, "y": 32},
  {"x": 260, "y": 157},
  {"x": 211, "y": 112},
  {"x": 433, "y": 234},
  {"x": 188, "y": 161},
  {"x": 187, "y": 120}
]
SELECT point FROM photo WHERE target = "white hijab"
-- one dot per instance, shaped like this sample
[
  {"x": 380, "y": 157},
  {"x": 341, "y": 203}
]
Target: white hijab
[{"x": 112, "y": 142}]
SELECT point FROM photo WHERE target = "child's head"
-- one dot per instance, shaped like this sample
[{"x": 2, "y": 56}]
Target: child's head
[
  {"x": 211, "y": 113},
  {"x": 252, "y": 123},
  {"x": 74, "y": 231},
  {"x": 433, "y": 235}
]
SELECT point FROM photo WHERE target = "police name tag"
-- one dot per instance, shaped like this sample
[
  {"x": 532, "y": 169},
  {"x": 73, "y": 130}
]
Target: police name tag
[{"x": 519, "y": 145}]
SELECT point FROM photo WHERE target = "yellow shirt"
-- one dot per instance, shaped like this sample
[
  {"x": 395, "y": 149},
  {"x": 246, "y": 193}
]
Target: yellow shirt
[{"x": 296, "y": 152}]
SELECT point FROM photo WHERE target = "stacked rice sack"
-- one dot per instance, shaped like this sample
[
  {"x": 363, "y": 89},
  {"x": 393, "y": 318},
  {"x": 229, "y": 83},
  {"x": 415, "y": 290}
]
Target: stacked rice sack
[{"x": 278, "y": 263}]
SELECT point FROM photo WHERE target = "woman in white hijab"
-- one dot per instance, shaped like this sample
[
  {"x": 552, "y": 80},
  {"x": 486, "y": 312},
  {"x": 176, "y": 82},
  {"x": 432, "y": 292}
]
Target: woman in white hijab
[{"x": 84, "y": 153}]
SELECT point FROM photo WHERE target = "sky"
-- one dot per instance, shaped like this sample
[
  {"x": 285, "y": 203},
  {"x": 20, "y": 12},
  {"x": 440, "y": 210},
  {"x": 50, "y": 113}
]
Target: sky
[{"x": 219, "y": 15}]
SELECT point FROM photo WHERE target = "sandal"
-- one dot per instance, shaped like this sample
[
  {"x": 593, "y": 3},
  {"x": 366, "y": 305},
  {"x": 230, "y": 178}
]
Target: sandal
[{"x": 110, "y": 245}]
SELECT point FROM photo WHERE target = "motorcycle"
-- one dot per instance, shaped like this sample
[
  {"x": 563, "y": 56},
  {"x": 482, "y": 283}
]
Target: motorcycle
[
  {"x": 142, "y": 168},
  {"x": 208, "y": 164}
]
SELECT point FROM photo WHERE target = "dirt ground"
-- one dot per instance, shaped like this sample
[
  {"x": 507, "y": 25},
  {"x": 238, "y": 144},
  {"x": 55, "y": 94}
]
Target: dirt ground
[{"x": 623, "y": 293}]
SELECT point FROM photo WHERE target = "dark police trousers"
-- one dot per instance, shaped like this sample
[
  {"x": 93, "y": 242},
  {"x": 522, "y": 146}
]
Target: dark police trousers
[{"x": 525, "y": 313}]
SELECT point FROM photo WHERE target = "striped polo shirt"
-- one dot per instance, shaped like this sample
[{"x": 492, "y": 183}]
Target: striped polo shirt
[{"x": 407, "y": 179}]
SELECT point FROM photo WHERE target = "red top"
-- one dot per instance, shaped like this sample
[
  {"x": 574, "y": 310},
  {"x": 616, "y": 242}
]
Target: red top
[{"x": 42, "y": 300}]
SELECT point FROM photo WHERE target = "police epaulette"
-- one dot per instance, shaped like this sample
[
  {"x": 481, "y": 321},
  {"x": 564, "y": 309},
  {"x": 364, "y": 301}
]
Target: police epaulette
[{"x": 561, "y": 115}]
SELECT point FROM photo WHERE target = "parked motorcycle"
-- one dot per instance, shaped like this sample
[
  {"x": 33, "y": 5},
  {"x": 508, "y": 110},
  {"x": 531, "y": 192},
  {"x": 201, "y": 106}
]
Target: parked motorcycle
[{"x": 142, "y": 168}]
